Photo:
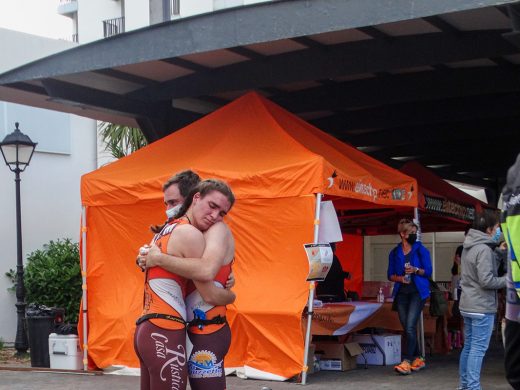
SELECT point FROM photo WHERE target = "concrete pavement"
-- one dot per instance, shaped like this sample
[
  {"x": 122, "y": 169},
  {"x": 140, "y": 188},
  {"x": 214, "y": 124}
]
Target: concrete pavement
[{"x": 441, "y": 373}]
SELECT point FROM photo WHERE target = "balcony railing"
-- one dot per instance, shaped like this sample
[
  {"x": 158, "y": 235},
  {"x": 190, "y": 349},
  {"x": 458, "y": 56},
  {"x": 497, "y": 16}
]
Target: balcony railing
[{"x": 113, "y": 26}]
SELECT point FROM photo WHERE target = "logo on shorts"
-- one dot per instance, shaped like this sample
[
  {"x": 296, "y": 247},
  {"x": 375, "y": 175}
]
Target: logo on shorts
[{"x": 203, "y": 364}]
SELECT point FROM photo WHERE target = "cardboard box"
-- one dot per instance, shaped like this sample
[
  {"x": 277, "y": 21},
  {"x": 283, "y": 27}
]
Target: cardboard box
[
  {"x": 337, "y": 356},
  {"x": 375, "y": 345}
]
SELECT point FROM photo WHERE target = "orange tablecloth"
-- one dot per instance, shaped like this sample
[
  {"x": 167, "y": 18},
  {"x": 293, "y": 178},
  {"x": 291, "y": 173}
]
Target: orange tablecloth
[
  {"x": 341, "y": 318},
  {"x": 336, "y": 319}
]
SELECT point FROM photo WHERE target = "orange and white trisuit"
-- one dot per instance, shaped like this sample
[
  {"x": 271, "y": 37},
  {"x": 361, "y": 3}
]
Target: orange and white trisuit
[
  {"x": 160, "y": 336},
  {"x": 210, "y": 335}
]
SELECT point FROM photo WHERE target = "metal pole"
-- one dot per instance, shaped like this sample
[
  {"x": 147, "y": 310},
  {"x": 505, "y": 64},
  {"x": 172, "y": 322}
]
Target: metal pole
[
  {"x": 20, "y": 343},
  {"x": 417, "y": 220},
  {"x": 84, "y": 285},
  {"x": 434, "y": 255},
  {"x": 311, "y": 294}
]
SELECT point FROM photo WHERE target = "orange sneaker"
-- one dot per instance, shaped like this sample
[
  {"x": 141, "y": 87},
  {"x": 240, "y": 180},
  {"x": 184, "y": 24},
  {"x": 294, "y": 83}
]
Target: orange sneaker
[
  {"x": 418, "y": 364},
  {"x": 404, "y": 368}
]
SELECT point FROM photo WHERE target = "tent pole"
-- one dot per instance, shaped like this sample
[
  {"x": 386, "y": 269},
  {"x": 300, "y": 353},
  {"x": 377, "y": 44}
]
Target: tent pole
[
  {"x": 434, "y": 255},
  {"x": 84, "y": 285},
  {"x": 311, "y": 295},
  {"x": 417, "y": 221}
]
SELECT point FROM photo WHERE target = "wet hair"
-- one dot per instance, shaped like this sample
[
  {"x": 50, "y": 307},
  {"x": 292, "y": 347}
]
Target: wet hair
[
  {"x": 204, "y": 188},
  {"x": 186, "y": 180},
  {"x": 405, "y": 225},
  {"x": 484, "y": 220}
]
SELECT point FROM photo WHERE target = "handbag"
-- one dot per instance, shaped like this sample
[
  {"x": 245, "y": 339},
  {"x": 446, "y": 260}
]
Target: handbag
[{"x": 438, "y": 303}]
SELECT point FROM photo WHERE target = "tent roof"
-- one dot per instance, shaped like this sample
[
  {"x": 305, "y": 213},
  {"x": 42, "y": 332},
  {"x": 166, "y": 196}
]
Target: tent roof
[
  {"x": 443, "y": 207},
  {"x": 256, "y": 146}
]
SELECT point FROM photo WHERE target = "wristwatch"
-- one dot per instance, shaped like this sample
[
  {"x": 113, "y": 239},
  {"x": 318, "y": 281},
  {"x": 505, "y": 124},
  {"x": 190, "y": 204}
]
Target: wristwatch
[{"x": 416, "y": 270}]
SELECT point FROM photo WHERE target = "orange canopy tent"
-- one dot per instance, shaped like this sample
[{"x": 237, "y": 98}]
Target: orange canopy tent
[
  {"x": 442, "y": 207},
  {"x": 275, "y": 163}
]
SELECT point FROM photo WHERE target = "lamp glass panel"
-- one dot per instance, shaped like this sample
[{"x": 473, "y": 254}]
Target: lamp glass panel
[
  {"x": 24, "y": 154},
  {"x": 9, "y": 152}
]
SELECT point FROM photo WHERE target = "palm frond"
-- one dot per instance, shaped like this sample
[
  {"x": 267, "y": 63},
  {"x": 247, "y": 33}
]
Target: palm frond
[{"x": 121, "y": 140}]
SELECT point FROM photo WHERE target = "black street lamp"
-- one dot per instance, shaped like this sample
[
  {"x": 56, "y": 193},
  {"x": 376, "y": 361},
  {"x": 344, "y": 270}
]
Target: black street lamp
[{"x": 17, "y": 149}]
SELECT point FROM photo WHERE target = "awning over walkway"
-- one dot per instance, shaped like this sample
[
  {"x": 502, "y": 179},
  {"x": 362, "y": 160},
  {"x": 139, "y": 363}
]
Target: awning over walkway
[{"x": 431, "y": 81}]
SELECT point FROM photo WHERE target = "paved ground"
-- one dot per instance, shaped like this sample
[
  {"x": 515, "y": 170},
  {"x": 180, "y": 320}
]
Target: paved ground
[{"x": 441, "y": 374}]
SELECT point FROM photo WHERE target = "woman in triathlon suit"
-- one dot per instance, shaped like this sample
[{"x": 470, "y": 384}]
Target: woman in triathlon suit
[
  {"x": 160, "y": 337},
  {"x": 210, "y": 335}
]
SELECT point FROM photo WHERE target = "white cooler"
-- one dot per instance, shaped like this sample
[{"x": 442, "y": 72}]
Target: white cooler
[{"x": 64, "y": 352}]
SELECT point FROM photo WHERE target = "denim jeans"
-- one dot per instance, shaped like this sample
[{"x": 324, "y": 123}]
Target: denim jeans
[
  {"x": 409, "y": 307},
  {"x": 477, "y": 333}
]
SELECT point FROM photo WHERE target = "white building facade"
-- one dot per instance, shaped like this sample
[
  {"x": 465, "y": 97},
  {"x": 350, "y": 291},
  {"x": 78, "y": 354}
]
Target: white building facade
[
  {"x": 50, "y": 186},
  {"x": 97, "y": 19}
]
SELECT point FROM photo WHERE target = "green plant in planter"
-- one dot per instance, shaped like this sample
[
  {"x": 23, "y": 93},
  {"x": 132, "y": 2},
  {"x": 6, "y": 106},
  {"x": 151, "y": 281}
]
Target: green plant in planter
[{"x": 52, "y": 277}]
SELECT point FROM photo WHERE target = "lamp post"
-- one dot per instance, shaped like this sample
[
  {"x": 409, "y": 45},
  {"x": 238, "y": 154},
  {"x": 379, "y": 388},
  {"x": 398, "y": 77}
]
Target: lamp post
[{"x": 17, "y": 150}]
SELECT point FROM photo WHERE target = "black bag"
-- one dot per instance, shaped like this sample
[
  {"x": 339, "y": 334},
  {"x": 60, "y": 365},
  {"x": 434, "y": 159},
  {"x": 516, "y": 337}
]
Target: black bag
[{"x": 438, "y": 303}]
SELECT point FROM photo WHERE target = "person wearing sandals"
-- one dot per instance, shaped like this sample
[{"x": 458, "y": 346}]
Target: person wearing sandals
[{"x": 410, "y": 267}]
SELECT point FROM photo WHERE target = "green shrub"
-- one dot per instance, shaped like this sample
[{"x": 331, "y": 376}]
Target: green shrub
[
  {"x": 11, "y": 274},
  {"x": 53, "y": 277}
]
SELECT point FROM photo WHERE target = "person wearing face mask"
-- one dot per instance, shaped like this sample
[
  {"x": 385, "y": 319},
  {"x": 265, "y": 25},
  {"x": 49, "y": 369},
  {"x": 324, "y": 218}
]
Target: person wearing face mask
[
  {"x": 409, "y": 266},
  {"x": 478, "y": 302},
  {"x": 175, "y": 190}
]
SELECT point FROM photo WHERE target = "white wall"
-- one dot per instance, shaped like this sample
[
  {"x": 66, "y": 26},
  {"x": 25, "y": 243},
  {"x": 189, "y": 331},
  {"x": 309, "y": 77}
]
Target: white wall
[
  {"x": 50, "y": 192},
  {"x": 137, "y": 14},
  {"x": 18, "y": 48},
  {"x": 189, "y": 8},
  {"x": 377, "y": 248},
  {"x": 91, "y": 14},
  {"x": 140, "y": 13}
]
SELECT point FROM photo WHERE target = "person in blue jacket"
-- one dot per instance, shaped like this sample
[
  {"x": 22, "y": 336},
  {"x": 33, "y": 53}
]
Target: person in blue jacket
[{"x": 410, "y": 267}]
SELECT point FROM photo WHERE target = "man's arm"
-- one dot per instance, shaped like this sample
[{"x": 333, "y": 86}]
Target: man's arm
[
  {"x": 187, "y": 242},
  {"x": 201, "y": 269},
  {"x": 214, "y": 295}
]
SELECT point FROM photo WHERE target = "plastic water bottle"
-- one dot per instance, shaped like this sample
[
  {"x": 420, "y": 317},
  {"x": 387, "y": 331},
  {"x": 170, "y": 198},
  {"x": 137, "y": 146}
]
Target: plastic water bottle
[
  {"x": 407, "y": 277},
  {"x": 381, "y": 295}
]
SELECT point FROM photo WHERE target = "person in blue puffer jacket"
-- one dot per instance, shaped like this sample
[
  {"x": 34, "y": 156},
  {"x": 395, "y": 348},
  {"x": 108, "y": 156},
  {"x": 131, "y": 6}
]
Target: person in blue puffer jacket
[{"x": 410, "y": 267}]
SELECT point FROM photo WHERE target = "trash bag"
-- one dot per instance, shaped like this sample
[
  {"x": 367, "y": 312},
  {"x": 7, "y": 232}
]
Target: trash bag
[
  {"x": 64, "y": 329},
  {"x": 37, "y": 310}
]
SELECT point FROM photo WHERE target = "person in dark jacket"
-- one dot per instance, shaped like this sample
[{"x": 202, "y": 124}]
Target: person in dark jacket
[
  {"x": 478, "y": 302},
  {"x": 410, "y": 267},
  {"x": 333, "y": 288},
  {"x": 511, "y": 224}
]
